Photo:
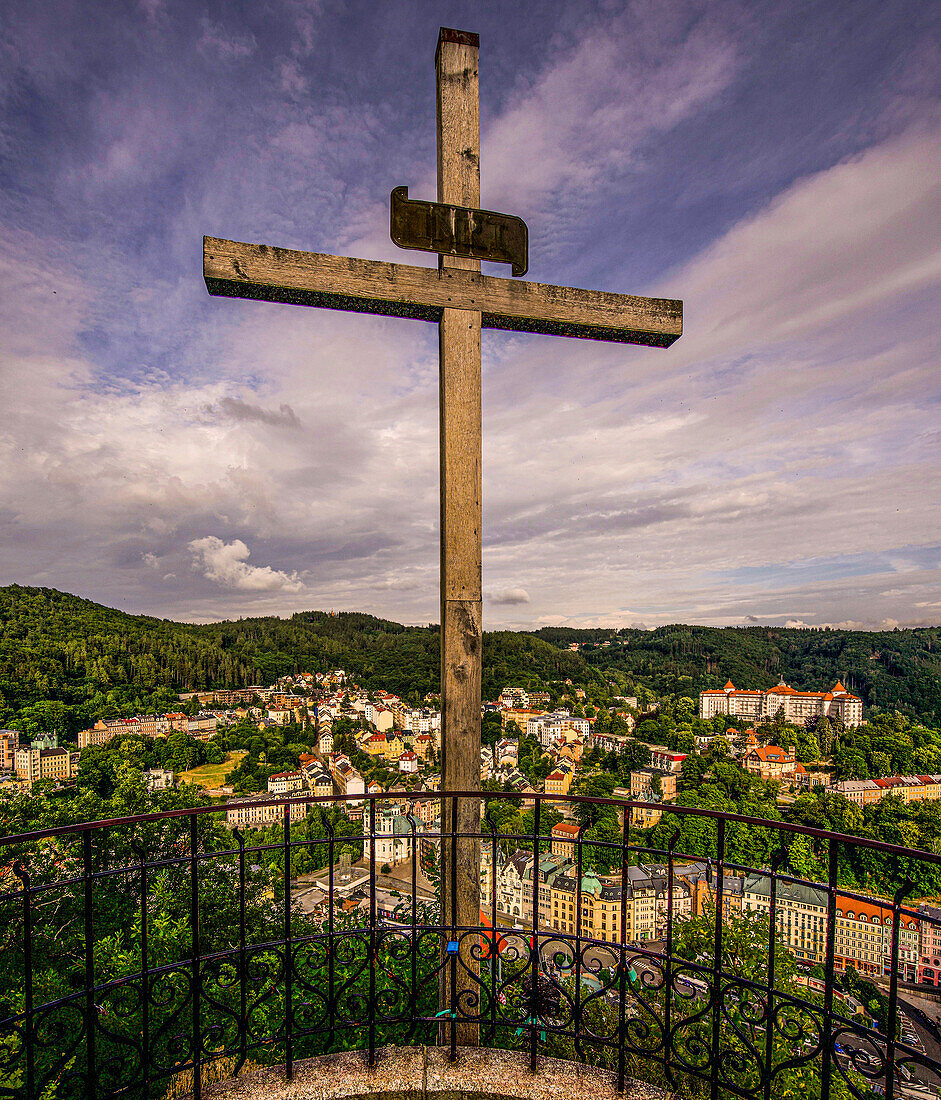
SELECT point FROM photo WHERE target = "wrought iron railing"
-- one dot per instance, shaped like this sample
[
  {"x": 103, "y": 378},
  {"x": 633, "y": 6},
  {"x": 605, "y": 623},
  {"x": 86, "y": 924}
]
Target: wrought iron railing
[{"x": 145, "y": 956}]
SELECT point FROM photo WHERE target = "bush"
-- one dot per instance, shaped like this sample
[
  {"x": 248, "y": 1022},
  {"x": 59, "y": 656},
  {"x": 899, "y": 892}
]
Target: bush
[{"x": 385, "y": 869}]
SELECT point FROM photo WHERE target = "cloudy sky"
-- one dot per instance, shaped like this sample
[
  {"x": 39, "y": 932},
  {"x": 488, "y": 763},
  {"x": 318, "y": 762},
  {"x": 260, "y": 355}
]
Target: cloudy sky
[{"x": 774, "y": 164}]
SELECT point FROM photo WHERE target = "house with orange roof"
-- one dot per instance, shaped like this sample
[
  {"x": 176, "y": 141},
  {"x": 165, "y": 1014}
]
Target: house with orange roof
[{"x": 771, "y": 762}]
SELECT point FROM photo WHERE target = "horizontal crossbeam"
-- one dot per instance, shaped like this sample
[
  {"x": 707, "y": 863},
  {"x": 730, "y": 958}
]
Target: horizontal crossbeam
[{"x": 235, "y": 270}]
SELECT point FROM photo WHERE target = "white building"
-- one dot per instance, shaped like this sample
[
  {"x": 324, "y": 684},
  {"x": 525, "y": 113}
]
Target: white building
[
  {"x": 549, "y": 728},
  {"x": 285, "y": 783},
  {"x": 159, "y": 779},
  {"x": 798, "y": 707},
  {"x": 665, "y": 759},
  {"x": 393, "y": 836},
  {"x": 408, "y": 762}
]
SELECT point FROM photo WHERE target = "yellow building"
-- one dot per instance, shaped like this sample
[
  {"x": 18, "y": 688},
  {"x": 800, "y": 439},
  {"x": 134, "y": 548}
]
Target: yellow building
[
  {"x": 564, "y": 838},
  {"x": 559, "y": 782},
  {"x": 647, "y": 814},
  {"x": 519, "y": 715},
  {"x": 601, "y": 907}
]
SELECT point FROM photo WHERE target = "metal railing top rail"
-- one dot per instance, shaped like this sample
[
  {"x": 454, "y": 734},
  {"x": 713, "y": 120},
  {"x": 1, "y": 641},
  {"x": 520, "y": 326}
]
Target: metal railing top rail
[{"x": 435, "y": 796}]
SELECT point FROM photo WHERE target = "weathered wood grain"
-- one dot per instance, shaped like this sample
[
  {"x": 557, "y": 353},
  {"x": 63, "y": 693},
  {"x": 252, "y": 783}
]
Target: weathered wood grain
[
  {"x": 459, "y": 403},
  {"x": 237, "y": 270}
]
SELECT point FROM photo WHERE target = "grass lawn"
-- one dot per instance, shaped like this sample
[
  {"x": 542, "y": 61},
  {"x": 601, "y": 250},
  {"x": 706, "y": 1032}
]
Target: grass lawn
[{"x": 212, "y": 775}]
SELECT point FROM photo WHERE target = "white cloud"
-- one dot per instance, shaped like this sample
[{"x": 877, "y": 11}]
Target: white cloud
[
  {"x": 631, "y": 75},
  {"x": 508, "y": 597},
  {"x": 226, "y": 564}
]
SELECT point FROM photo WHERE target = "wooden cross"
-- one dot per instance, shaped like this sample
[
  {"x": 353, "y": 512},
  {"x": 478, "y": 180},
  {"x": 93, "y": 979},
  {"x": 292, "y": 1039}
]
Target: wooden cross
[{"x": 461, "y": 301}]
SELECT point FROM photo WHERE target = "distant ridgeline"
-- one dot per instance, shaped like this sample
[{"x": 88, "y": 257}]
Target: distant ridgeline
[
  {"x": 889, "y": 670},
  {"x": 65, "y": 661}
]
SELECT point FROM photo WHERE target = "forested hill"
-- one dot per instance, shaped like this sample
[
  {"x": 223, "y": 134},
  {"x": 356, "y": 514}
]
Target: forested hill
[
  {"x": 66, "y": 661},
  {"x": 889, "y": 670}
]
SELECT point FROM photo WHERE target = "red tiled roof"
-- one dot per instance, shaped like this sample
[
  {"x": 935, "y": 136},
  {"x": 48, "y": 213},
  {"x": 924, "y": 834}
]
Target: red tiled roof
[{"x": 771, "y": 754}]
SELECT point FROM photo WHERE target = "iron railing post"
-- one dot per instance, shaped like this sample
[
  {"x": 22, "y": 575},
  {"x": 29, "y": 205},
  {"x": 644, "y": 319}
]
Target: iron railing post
[
  {"x": 622, "y": 957},
  {"x": 242, "y": 964},
  {"x": 90, "y": 1010},
  {"x": 141, "y": 852},
  {"x": 893, "y": 1009},
  {"x": 534, "y": 942},
  {"x": 668, "y": 979},
  {"x": 833, "y": 856},
  {"x": 577, "y": 1009},
  {"x": 288, "y": 950},
  {"x": 776, "y": 860},
  {"x": 373, "y": 940},
  {"x": 717, "y": 962},
  {"x": 454, "y": 934},
  {"x": 196, "y": 980},
  {"x": 28, "y": 1024},
  {"x": 413, "y": 957},
  {"x": 494, "y": 952},
  {"x": 331, "y": 902}
]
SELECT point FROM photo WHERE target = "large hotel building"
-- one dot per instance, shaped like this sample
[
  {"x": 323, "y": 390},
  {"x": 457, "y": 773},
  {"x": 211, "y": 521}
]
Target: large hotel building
[{"x": 797, "y": 706}]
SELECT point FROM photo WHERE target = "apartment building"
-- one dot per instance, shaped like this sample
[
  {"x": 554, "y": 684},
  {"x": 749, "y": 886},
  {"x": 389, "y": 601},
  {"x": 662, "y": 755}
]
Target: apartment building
[
  {"x": 107, "y": 728},
  {"x": 255, "y": 812},
  {"x": 319, "y": 782},
  {"x": 664, "y": 759},
  {"x": 153, "y": 725},
  {"x": 9, "y": 743},
  {"x": 159, "y": 779},
  {"x": 513, "y": 698},
  {"x": 285, "y": 783},
  {"x": 863, "y": 933},
  {"x": 408, "y": 762},
  {"x": 798, "y": 707},
  {"x": 347, "y": 780},
  {"x": 801, "y": 913},
  {"x": 647, "y": 779},
  {"x": 648, "y": 811},
  {"x": 519, "y": 715},
  {"x": 547, "y": 729},
  {"x": 32, "y": 763},
  {"x": 910, "y": 788},
  {"x": 594, "y": 907},
  {"x": 929, "y": 946},
  {"x": 422, "y": 746},
  {"x": 559, "y": 781},
  {"x": 565, "y": 839}
]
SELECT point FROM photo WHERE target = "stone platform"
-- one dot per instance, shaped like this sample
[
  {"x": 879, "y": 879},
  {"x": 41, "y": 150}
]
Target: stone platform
[{"x": 424, "y": 1073}]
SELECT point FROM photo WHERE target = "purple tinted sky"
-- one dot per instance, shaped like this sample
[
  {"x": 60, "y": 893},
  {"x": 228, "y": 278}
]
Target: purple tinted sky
[{"x": 773, "y": 164}]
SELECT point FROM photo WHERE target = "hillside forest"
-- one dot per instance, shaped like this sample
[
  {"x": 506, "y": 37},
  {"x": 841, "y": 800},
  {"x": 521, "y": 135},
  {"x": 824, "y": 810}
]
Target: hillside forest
[{"x": 65, "y": 661}]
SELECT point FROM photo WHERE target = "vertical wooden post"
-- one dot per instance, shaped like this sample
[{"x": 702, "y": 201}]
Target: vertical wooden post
[{"x": 460, "y": 418}]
